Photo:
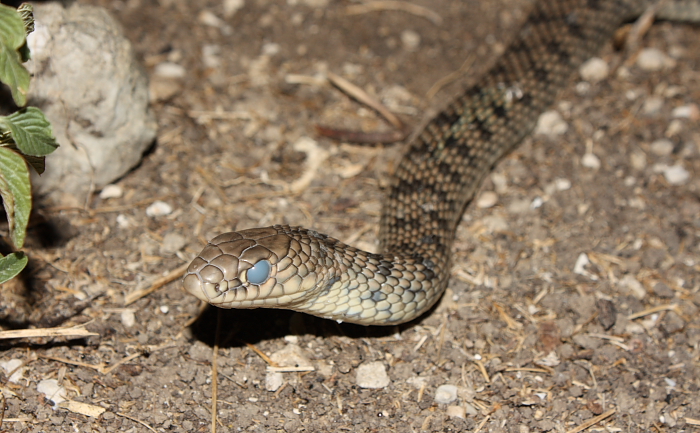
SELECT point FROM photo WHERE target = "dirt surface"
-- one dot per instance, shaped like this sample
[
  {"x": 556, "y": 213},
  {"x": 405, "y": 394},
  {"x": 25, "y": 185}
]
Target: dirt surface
[{"x": 531, "y": 341}]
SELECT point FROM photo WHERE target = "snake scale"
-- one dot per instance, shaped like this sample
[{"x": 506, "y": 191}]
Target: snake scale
[{"x": 303, "y": 270}]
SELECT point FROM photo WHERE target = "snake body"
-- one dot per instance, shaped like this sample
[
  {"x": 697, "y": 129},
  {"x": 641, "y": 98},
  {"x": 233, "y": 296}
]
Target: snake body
[{"x": 303, "y": 270}]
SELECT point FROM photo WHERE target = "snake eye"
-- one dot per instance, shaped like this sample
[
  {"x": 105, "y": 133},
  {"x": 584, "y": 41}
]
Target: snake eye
[{"x": 259, "y": 273}]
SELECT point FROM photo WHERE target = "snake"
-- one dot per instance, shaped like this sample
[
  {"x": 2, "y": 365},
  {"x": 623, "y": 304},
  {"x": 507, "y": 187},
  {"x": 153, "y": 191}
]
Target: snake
[{"x": 438, "y": 175}]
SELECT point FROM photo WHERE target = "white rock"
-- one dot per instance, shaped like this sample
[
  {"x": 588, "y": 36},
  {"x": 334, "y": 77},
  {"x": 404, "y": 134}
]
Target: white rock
[
  {"x": 164, "y": 309},
  {"x": 676, "y": 175},
  {"x": 589, "y": 160},
  {"x": 562, "y": 184},
  {"x": 652, "y": 59},
  {"x": 372, "y": 375},
  {"x": 128, "y": 317},
  {"x": 169, "y": 70},
  {"x": 487, "y": 199},
  {"x": 689, "y": 111},
  {"x": 159, "y": 208},
  {"x": 291, "y": 356},
  {"x": 550, "y": 123},
  {"x": 273, "y": 381},
  {"x": 211, "y": 55},
  {"x": 445, "y": 394},
  {"x": 662, "y": 147},
  {"x": 410, "y": 40},
  {"x": 52, "y": 390},
  {"x": 123, "y": 221},
  {"x": 232, "y": 6},
  {"x": 635, "y": 287},
  {"x": 652, "y": 105},
  {"x": 456, "y": 412},
  {"x": 13, "y": 366},
  {"x": 209, "y": 19},
  {"x": 638, "y": 160},
  {"x": 111, "y": 191},
  {"x": 594, "y": 70},
  {"x": 580, "y": 267},
  {"x": 95, "y": 96}
]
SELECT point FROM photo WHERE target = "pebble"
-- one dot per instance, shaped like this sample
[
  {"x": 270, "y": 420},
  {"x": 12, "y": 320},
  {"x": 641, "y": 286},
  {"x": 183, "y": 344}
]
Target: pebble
[
  {"x": 653, "y": 59},
  {"x": 169, "y": 70},
  {"x": 589, "y": 160},
  {"x": 445, "y": 394},
  {"x": 209, "y": 19},
  {"x": 487, "y": 199},
  {"x": 291, "y": 356},
  {"x": 273, "y": 381},
  {"x": 551, "y": 124},
  {"x": 13, "y": 366},
  {"x": 410, "y": 40},
  {"x": 676, "y": 175},
  {"x": 633, "y": 286},
  {"x": 690, "y": 111},
  {"x": 172, "y": 243},
  {"x": 159, "y": 208},
  {"x": 653, "y": 105},
  {"x": 111, "y": 191},
  {"x": 580, "y": 267},
  {"x": 52, "y": 390},
  {"x": 128, "y": 317},
  {"x": 456, "y": 412},
  {"x": 638, "y": 160},
  {"x": 372, "y": 375},
  {"x": 232, "y": 6},
  {"x": 594, "y": 70},
  {"x": 662, "y": 147},
  {"x": 663, "y": 291}
]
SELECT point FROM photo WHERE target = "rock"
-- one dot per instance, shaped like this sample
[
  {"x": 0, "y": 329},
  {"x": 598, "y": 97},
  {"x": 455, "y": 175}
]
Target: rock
[
  {"x": 111, "y": 191},
  {"x": 456, "y": 412},
  {"x": 690, "y": 111},
  {"x": 487, "y": 199},
  {"x": 676, "y": 175},
  {"x": 445, "y": 394},
  {"x": 372, "y": 375},
  {"x": 291, "y": 356},
  {"x": 653, "y": 59},
  {"x": 273, "y": 381},
  {"x": 95, "y": 95},
  {"x": 551, "y": 124},
  {"x": 172, "y": 243},
  {"x": 410, "y": 40},
  {"x": 52, "y": 390},
  {"x": 589, "y": 160},
  {"x": 661, "y": 147},
  {"x": 159, "y": 208},
  {"x": 594, "y": 70},
  {"x": 663, "y": 291},
  {"x": 128, "y": 317}
]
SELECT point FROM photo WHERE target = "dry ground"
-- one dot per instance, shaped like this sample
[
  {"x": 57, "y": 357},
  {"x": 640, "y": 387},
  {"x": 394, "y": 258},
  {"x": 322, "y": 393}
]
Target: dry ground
[{"x": 530, "y": 344}]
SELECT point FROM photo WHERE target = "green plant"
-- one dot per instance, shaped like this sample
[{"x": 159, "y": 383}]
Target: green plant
[{"x": 25, "y": 135}]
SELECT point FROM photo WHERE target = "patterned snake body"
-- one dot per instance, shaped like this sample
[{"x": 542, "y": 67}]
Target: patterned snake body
[{"x": 303, "y": 270}]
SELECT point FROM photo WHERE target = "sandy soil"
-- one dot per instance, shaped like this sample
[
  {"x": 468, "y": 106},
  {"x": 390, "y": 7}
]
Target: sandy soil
[{"x": 531, "y": 341}]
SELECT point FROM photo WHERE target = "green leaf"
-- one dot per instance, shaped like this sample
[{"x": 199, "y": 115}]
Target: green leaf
[
  {"x": 11, "y": 265},
  {"x": 12, "y": 33},
  {"x": 30, "y": 131},
  {"x": 12, "y": 37},
  {"x": 15, "y": 190}
]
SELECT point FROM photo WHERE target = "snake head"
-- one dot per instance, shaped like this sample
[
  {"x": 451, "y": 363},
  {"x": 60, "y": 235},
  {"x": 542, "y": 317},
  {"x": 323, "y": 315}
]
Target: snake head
[{"x": 251, "y": 268}]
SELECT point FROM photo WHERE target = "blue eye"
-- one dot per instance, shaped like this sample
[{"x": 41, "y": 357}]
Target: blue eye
[{"x": 259, "y": 273}]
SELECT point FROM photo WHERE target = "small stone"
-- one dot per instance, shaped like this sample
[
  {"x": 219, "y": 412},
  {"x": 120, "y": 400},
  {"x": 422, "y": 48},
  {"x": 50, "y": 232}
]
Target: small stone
[
  {"x": 273, "y": 381},
  {"x": 653, "y": 59},
  {"x": 638, "y": 160},
  {"x": 232, "y": 6},
  {"x": 551, "y": 124},
  {"x": 456, "y": 412},
  {"x": 662, "y": 147},
  {"x": 211, "y": 55},
  {"x": 410, "y": 40},
  {"x": 164, "y": 309},
  {"x": 519, "y": 206},
  {"x": 653, "y": 105},
  {"x": 580, "y": 267},
  {"x": 690, "y": 111},
  {"x": 672, "y": 322},
  {"x": 594, "y": 70},
  {"x": 589, "y": 160},
  {"x": 169, "y": 70},
  {"x": 159, "y": 208},
  {"x": 487, "y": 199},
  {"x": 663, "y": 291},
  {"x": 111, "y": 191},
  {"x": 607, "y": 313},
  {"x": 575, "y": 391},
  {"x": 676, "y": 174},
  {"x": 445, "y": 394},
  {"x": 372, "y": 375},
  {"x": 562, "y": 184},
  {"x": 13, "y": 366},
  {"x": 128, "y": 317},
  {"x": 52, "y": 390},
  {"x": 633, "y": 286},
  {"x": 172, "y": 243},
  {"x": 209, "y": 19},
  {"x": 291, "y": 356}
]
